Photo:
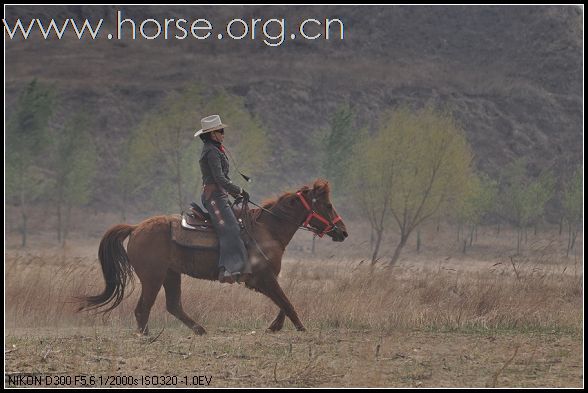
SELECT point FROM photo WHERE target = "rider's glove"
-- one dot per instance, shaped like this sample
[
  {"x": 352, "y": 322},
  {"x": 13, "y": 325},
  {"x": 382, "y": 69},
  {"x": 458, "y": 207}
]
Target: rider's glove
[{"x": 245, "y": 195}]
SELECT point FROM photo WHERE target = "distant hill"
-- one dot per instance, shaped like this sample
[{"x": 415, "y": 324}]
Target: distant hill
[{"x": 512, "y": 75}]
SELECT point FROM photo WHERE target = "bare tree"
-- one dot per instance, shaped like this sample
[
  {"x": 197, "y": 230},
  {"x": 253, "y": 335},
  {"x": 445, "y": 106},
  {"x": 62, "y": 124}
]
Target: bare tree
[
  {"x": 573, "y": 207},
  {"x": 417, "y": 163}
]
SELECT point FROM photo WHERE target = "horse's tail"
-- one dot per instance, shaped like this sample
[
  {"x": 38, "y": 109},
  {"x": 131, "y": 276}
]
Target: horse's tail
[{"x": 115, "y": 267}]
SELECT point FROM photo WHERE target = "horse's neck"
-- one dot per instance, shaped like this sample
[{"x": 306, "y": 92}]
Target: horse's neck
[{"x": 280, "y": 227}]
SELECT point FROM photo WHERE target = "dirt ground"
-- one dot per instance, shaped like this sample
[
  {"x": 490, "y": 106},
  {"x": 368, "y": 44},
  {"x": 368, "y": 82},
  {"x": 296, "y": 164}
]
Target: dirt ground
[{"x": 334, "y": 358}]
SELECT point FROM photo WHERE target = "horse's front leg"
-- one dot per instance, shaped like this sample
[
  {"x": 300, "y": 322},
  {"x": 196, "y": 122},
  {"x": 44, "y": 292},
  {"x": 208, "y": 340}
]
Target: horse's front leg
[{"x": 265, "y": 282}]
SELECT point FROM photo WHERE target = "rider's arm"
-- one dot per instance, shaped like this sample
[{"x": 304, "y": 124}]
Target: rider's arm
[{"x": 214, "y": 161}]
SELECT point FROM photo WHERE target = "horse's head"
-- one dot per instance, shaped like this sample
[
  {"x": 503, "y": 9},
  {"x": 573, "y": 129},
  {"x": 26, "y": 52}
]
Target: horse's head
[{"x": 321, "y": 215}]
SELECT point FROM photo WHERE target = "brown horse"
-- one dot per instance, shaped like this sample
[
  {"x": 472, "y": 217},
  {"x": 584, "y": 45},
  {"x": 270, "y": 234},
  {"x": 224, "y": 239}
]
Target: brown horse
[{"x": 158, "y": 261}]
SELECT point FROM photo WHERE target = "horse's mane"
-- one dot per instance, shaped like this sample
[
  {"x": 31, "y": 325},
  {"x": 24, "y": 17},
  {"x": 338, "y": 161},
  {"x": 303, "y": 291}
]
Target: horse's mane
[{"x": 271, "y": 203}]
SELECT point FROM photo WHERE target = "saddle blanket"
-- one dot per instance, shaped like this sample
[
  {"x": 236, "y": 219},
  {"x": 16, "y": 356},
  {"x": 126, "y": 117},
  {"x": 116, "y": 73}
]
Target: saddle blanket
[{"x": 200, "y": 237}]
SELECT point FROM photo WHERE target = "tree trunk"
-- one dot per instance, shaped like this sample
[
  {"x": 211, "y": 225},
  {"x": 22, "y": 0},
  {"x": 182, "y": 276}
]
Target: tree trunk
[
  {"x": 519, "y": 236},
  {"x": 573, "y": 241},
  {"x": 399, "y": 247},
  {"x": 418, "y": 241},
  {"x": 313, "y": 243},
  {"x": 24, "y": 228},
  {"x": 23, "y": 214},
  {"x": 569, "y": 239},
  {"x": 379, "y": 233},
  {"x": 561, "y": 219},
  {"x": 60, "y": 201},
  {"x": 180, "y": 196},
  {"x": 66, "y": 224},
  {"x": 472, "y": 235},
  {"x": 59, "y": 223},
  {"x": 574, "y": 235}
]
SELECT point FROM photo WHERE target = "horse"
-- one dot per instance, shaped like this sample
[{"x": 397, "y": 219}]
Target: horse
[{"x": 158, "y": 261}]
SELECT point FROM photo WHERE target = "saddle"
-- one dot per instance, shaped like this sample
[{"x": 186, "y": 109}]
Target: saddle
[
  {"x": 195, "y": 230},
  {"x": 197, "y": 216},
  {"x": 196, "y": 234}
]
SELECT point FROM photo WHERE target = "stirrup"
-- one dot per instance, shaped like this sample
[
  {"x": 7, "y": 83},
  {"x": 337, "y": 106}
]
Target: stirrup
[
  {"x": 244, "y": 277},
  {"x": 225, "y": 277}
]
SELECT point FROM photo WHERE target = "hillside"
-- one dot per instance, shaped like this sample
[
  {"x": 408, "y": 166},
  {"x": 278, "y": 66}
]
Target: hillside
[{"x": 513, "y": 76}]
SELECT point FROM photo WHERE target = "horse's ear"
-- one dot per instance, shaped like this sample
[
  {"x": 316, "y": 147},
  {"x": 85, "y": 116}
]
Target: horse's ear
[{"x": 321, "y": 187}]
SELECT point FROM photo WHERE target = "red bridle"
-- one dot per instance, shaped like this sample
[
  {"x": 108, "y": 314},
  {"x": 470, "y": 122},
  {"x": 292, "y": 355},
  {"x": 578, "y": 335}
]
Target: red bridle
[{"x": 312, "y": 214}]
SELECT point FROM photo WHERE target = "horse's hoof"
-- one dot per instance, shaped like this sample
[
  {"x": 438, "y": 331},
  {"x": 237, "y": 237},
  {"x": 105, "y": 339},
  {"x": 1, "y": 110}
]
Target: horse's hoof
[
  {"x": 275, "y": 327},
  {"x": 301, "y": 329},
  {"x": 199, "y": 330},
  {"x": 245, "y": 278}
]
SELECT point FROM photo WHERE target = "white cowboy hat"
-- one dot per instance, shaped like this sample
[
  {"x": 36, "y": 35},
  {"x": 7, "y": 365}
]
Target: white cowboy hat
[{"x": 209, "y": 124}]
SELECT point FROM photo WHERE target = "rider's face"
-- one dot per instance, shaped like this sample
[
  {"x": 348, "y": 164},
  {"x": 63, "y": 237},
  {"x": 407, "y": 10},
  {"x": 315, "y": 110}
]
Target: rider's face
[{"x": 218, "y": 136}]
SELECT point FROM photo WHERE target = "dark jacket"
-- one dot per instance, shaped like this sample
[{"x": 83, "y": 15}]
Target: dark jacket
[{"x": 214, "y": 166}]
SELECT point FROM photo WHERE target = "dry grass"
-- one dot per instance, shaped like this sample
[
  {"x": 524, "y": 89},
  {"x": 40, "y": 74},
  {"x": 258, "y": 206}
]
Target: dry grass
[
  {"x": 511, "y": 295},
  {"x": 480, "y": 319}
]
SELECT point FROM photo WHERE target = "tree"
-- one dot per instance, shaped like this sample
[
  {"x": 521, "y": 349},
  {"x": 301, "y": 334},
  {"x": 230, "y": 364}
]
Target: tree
[
  {"x": 163, "y": 155},
  {"x": 479, "y": 199},
  {"x": 157, "y": 168},
  {"x": 417, "y": 164},
  {"x": 521, "y": 199},
  {"x": 26, "y": 148},
  {"x": 338, "y": 145},
  {"x": 573, "y": 199},
  {"x": 73, "y": 167}
]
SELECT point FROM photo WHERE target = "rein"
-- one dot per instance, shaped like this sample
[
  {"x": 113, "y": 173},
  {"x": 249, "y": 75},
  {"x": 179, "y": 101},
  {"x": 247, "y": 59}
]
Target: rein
[
  {"x": 280, "y": 218},
  {"x": 248, "y": 226},
  {"x": 329, "y": 226}
]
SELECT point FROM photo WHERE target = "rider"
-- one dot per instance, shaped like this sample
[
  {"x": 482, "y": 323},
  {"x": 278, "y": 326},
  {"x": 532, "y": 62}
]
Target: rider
[{"x": 214, "y": 165}]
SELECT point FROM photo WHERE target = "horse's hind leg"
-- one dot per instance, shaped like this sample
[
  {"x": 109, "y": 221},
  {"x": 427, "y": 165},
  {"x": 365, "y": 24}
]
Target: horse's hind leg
[
  {"x": 278, "y": 323},
  {"x": 268, "y": 285},
  {"x": 149, "y": 293},
  {"x": 173, "y": 301}
]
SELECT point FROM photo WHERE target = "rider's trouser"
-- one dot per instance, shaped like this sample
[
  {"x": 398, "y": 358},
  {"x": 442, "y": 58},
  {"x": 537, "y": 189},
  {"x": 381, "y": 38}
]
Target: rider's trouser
[{"x": 233, "y": 254}]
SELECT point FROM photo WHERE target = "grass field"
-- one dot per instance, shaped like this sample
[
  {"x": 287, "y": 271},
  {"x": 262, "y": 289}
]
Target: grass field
[{"x": 436, "y": 320}]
